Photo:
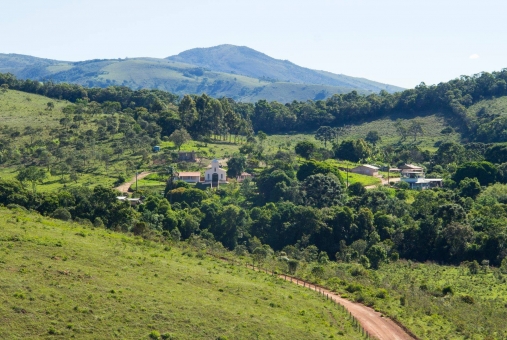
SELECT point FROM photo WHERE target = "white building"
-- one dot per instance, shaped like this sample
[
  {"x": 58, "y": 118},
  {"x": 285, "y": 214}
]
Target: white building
[
  {"x": 365, "y": 169},
  {"x": 414, "y": 176},
  {"x": 215, "y": 174},
  {"x": 189, "y": 177}
]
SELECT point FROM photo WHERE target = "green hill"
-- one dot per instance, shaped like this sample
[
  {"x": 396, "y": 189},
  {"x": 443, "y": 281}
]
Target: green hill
[
  {"x": 268, "y": 78},
  {"x": 251, "y": 63},
  {"x": 62, "y": 280}
]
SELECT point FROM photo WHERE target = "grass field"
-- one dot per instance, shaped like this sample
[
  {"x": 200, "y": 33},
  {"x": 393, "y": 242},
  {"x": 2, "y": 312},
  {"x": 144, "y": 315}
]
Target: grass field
[{"x": 62, "y": 280}]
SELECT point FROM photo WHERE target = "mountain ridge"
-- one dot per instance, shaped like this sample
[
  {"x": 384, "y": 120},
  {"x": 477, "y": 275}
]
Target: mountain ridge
[{"x": 246, "y": 75}]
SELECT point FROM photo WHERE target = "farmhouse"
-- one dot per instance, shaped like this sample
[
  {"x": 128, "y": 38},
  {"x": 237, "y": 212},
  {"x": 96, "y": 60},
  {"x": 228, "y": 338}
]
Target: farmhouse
[
  {"x": 365, "y": 169},
  {"x": 189, "y": 177},
  {"x": 414, "y": 176},
  {"x": 243, "y": 176}
]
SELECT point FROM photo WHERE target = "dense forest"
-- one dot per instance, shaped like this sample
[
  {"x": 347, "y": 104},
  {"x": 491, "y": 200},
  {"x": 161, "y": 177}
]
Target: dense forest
[
  {"x": 230, "y": 117},
  {"x": 300, "y": 207}
]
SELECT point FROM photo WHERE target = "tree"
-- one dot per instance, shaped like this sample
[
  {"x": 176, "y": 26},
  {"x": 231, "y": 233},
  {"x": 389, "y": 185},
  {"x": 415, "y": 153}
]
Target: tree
[
  {"x": 187, "y": 111},
  {"x": 262, "y": 136},
  {"x": 305, "y": 149},
  {"x": 372, "y": 137},
  {"x": 401, "y": 129},
  {"x": 33, "y": 175},
  {"x": 416, "y": 128},
  {"x": 50, "y": 106},
  {"x": 352, "y": 151},
  {"x": 322, "y": 191},
  {"x": 4, "y": 88},
  {"x": 293, "y": 266},
  {"x": 470, "y": 187},
  {"x": 377, "y": 255},
  {"x": 259, "y": 255},
  {"x": 236, "y": 165},
  {"x": 485, "y": 172},
  {"x": 325, "y": 134},
  {"x": 180, "y": 137},
  {"x": 357, "y": 189}
]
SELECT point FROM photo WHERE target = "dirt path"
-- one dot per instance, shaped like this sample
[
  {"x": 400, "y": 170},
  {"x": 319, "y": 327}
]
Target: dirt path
[
  {"x": 384, "y": 182},
  {"x": 373, "y": 322},
  {"x": 377, "y": 326},
  {"x": 125, "y": 186}
]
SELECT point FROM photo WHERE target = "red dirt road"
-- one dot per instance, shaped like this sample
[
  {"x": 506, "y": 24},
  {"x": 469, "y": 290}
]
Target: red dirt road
[
  {"x": 377, "y": 326},
  {"x": 125, "y": 186}
]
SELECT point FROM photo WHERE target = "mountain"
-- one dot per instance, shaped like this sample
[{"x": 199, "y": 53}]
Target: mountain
[
  {"x": 251, "y": 63},
  {"x": 231, "y": 71}
]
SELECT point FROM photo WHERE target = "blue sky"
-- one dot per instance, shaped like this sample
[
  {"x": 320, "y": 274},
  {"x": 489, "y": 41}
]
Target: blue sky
[{"x": 397, "y": 42}]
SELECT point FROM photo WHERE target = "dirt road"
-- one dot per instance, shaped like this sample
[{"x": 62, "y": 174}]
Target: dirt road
[
  {"x": 384, "y": 182},
  {"x": 373, "y": 322},
  {"x": 125, "y": 186}
]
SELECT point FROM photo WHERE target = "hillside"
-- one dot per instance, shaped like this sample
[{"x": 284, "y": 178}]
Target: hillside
[
  {"x": 251, "y": 63},
  {"x": 66, "y": 280},
  {"x": 194, "y": 77}
]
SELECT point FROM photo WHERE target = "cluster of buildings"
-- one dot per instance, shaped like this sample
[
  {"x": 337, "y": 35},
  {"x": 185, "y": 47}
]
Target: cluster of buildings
[
  {"x": 213, "y": 176},
  {"x": 409, "y": 173}
]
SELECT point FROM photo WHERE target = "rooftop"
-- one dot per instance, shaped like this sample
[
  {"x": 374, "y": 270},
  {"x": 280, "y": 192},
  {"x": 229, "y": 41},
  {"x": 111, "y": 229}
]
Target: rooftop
[{"x": 189, "y": 174}]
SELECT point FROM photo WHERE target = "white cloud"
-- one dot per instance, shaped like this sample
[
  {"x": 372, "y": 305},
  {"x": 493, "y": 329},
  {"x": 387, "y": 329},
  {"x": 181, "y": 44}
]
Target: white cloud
[{"x": 474, "y": 56}]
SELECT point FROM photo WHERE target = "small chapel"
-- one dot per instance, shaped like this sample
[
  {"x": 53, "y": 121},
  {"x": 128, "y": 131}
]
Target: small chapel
[{"x": 215, "y": 175}]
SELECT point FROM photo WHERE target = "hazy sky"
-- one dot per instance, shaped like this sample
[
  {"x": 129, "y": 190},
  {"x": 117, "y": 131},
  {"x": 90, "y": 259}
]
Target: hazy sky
[{"x": 400, "y": 42}]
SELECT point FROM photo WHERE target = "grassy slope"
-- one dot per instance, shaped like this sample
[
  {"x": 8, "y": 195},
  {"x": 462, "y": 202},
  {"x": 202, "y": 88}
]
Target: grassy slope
[
  {"x": 63, "y": 279},
  {"x": 19, "y": 110},
  {"x": 494, "y": 106}
]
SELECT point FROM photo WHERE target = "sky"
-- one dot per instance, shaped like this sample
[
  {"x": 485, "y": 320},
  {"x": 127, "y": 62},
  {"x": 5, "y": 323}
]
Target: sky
[{"x": 399, "y": 42}]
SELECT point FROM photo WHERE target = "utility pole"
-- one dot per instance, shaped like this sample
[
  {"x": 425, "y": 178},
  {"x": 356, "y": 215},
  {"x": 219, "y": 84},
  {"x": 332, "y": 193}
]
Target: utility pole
[{"x": 347, "y": 175}]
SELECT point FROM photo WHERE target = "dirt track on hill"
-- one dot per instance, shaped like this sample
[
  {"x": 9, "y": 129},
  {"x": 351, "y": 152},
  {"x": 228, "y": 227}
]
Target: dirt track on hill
[
  {"x": 125, "y": 186},
  {"x": 374, "y": 323}
]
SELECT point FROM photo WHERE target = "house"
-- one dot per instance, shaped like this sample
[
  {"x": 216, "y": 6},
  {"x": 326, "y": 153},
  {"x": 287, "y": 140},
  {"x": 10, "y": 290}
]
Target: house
[
  {"x": 215, "y": 174},
  {"x": 415, "y": 177},
  {"x": 189, "y": 177},
  {"x": 184, "y": 156},
  {"x": 366, "y": 169},
  {"x": 243, "y": 176},
  {"x": 132, "y": 201}
]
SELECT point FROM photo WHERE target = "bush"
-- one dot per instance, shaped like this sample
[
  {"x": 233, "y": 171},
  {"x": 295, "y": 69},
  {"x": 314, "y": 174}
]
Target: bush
[
  {"x": 467, "y": 299},
  {"x": 382, "y": 294},
  {"x": 154, "y": 335},
  {"x": 353, "y": 287},
  {"x": 356, "y": 189},
  {"x": 62, "y": 214},
  {"x": 447, "y": 290}
]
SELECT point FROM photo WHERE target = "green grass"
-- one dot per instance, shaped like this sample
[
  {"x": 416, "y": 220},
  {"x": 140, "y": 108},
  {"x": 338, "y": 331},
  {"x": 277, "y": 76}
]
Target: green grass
[
  {"x": 18, "y": 108},
  {"x": 63, "y": 280}
]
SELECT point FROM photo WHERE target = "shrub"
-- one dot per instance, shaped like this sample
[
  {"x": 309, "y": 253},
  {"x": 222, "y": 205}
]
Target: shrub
[
  {"x": 447, "y": 290},
  {"x": 62, "y": 214},
  {"x": 154, "y": 335},
  {"x": 473, "y": 267},
  {"x": 382, "y": 294},
  {"x": 467, "y": 299},
  {"x": 353, "y": 287}
]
